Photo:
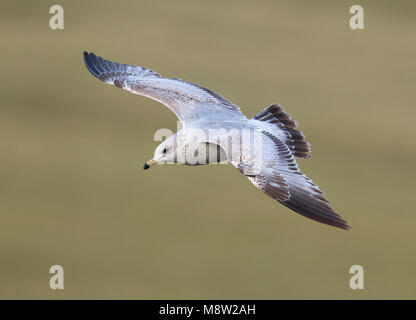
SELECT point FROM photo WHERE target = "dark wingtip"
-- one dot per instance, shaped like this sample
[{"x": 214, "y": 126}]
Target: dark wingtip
[
  {"x": 342, "y": 224},
  {"x": 339, "y": 224},
  {"x": 323, "y": 215},
  {"x": 90, "y": 61},
  {"x": 347, "y": 226}
]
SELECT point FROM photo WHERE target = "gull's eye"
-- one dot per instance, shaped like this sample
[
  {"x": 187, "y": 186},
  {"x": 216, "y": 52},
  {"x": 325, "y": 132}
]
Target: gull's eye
[{"x": 164, "y": 151}]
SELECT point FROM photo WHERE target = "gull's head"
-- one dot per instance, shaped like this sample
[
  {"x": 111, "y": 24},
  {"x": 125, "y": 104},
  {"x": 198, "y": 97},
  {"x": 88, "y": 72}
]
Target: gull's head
[{"x": 164, "y": 153}]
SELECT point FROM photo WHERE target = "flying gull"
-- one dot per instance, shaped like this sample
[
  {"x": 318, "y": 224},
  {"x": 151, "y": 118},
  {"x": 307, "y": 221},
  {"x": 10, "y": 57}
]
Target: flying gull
[{"x": 262, "y": 148}]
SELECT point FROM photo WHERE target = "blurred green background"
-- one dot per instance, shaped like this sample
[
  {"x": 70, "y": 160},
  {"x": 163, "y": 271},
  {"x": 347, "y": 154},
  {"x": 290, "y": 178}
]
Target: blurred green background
[{"x": 73, "y": 192}]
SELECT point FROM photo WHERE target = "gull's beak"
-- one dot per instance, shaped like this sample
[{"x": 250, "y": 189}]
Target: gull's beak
[{"x": 148, "y": 164}]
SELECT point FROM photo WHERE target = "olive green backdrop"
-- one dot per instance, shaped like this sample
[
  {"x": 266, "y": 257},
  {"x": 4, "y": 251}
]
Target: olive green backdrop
[{"x": 72, "y": 191}]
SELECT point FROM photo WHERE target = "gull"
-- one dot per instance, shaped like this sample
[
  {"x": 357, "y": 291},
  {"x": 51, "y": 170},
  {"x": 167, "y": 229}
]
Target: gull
[{"x": 264, "y": 148}]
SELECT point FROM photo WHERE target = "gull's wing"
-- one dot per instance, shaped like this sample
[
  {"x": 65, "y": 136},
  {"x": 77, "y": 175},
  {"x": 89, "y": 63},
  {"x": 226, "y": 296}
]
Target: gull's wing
[
  {"x": 305, "y": 197},
  {"x": 274, "y": 170},
  {"x": 187, "y": 100}
]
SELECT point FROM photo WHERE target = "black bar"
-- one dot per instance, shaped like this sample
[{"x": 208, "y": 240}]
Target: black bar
[{"x": 208, "y": 309}]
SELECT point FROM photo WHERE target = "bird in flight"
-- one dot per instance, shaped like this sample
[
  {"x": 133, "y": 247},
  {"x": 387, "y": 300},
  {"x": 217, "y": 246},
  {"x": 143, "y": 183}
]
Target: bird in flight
[{"x": 214, "y": 130}]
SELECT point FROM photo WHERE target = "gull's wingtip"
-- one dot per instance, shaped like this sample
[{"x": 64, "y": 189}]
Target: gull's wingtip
[
  {"x": 343, "y": 226},
  {"x": 90, "y": 63},
  {"x": 347, "y": 227}
]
